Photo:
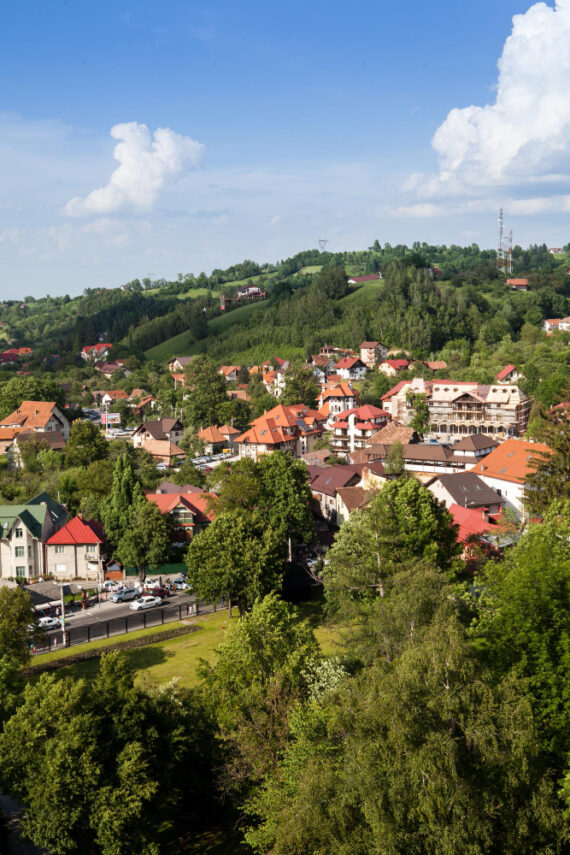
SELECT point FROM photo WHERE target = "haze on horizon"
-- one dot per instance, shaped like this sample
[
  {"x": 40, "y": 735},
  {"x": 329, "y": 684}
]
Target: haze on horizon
[{"x": 145, "y": 141}]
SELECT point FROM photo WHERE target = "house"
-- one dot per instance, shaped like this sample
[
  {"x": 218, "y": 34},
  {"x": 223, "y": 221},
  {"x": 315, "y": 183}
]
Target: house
[
  {"x": 316, "y": 458},
  {"x": 390, "y": 367},
  {"x": 24, "y": 529},
  {"x": 371, "y": 352},
  {"x": 350, "y": 368},
  {"x": 349, "y": 500},
  {"x": 325, "y": 481},
  {"x": 352, "y": 429},
  {"x": 462, "y": 407},
  {"x": 92, "y": 352},
  {"x": 146, "y": 405},
  {"x": 230, "y": 372},
  {"x": 42, "y": 416},
  {"x": 467, "y": 490},
  {"x": 294, "y": 429},
  {"x": 518, "y": 284},
  {"x": 107, "y": 369},
  {"x": 394, "y": 432},
  {"x": 51, "y": 440},
  {"x": 164, "y": 451},
  {"x": 238, "y": 394},
  {"x": 218, "y": 438},
  {"x": 77, "y": 550},
  {"x": 475, "y": 526},
  {"x": 179, "y": 363},
  {"x": 336, "y": 398},
  {"x": 323, "y": 363},
  {"x": 15, "y": 354},
  {"x": 435, "y": 365},
  {"x": 106, "y": 398},
  {"x": 477, "y": 446},
  {"x": 190, "y": 512},
  {"x": 508, "y": 374},
  {"x": 369, "y": 277},
  {"x": 556, "y": 250},
  {"x": 274, "y": 382},
  {"x": 250, "y": 292},
  {"x": 162, "y": 429},
  {"x": 556, "y": 325},
  {"x": 507, "y": 468}
]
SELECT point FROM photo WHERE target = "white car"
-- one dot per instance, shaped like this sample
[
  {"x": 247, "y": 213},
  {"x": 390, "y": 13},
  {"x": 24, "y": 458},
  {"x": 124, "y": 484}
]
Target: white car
[
  {"x": 48, "y": 623},
  {"x": 146, "y": 602},
  {"x": 124, "y": 594},
  {"x": 181, "y": 585}
]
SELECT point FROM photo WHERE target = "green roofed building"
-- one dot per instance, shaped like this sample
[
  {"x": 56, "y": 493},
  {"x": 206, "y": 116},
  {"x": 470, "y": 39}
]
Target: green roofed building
[{"x": 24, "y": 530}]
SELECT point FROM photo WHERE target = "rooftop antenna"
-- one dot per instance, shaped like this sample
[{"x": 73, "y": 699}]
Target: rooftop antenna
[
  {"x": 322, "y": 244},
  {"x": 501, "y": 244},
  {"x": 510, "y": 254}
]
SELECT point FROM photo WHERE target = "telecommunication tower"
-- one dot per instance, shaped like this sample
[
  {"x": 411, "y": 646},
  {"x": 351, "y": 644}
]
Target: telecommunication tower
[
  {"x": 322, "y": 244},
  {"x": 510, "y": 255},
  {"x": 501, "y": 244}
]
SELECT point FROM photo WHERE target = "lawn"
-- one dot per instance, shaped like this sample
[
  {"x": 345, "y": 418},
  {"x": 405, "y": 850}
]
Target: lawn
[
  {"x": 236, "y": 316},
  {"x": 179, "y": 657},
  {"x": 364, "y": 292}
]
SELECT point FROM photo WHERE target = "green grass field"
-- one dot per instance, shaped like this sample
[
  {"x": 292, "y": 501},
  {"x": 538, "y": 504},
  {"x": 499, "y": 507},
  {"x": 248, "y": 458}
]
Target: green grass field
[
  {"x": 364, "y": 292},
  {"x": 179, "y": 657}
]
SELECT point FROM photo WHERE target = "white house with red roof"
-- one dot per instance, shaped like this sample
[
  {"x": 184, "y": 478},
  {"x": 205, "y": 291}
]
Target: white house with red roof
[
  {"x": 353, "y": 428},
  {"x": 96, "y": 352},
  {"x": 508, "y": 374},
  {"x": 390, "y": 367},
  {"x": 76, "y": 551},
  {"x": 556, "y": 325},
  {"x": 336, "y": 398},
  {"x": 351, "y": 368},
  {"x": 229, "y": 372}
]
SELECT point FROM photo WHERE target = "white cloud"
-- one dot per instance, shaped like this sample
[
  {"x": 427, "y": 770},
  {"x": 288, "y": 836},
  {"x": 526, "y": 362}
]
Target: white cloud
[
  {"x": 523, "y": 139},
  {"x": 146, "y": 164}
]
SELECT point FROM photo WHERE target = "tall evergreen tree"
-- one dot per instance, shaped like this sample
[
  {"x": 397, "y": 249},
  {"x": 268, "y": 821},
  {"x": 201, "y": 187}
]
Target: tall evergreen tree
[{"x": 126, "y": 497}]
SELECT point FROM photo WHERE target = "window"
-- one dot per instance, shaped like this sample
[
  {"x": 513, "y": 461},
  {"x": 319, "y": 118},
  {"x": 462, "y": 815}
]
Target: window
[
  {"x": 21, "y": 572},
  {"x": 91, "y": 547},
  {"x": 19, "y": 532},
  {"x": 29, "y": 551},
  {"x": 20, "y": 552},
  {"x": 59, "y": 549}
]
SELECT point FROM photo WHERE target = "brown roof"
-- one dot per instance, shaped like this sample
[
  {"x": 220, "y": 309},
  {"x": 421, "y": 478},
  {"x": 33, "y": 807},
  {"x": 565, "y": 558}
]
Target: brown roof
[
  {"x": 328, "y": 480},
  {"x": 394, "y": 432},
  {"x": 316, "y": 458},
  {"x": 475, "y": 442},
  {"x": 355, "y": 497},
  {"x": 54, "y": 439},
  {"x": 368, "y": 454},
  {"x": 469, "y": 491},
  {"x": 163, "y": 448}
]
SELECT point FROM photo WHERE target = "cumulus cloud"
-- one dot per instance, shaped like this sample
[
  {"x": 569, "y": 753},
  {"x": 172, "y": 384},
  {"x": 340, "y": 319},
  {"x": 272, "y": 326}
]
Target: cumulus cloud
[
  {"x": 146, "y": 164},
  {"x": 522, "y": 140}
]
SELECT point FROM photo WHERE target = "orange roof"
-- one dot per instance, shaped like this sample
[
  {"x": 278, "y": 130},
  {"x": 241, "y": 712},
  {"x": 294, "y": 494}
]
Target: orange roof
[
  {"x": 116, "y": 394},
  {"x": 228, "y": 369},
  {"x": 511, "y": 461},
  {"x": 162, "y": 448},
  {"x": 30, "y": 415},
  {"x": 217, "y": 434},
  {"x": 338, "y": 390},
  {"x": 198, "y": 503}
]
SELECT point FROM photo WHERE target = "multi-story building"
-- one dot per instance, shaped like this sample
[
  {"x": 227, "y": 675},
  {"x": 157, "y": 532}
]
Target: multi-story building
[
  {"x": 353, "y": 428},
  {"x": 77, "y": 550},
  {"x": 371, "y": 352},
  {"x": 462, "y": 407},
  {"x": 294, "y": 429},
  {"x": 24, "y": 531},
  {"x": 40, "y": 416}
]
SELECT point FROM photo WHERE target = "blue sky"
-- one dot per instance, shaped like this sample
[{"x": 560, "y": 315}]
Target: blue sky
[{"x": 281, "y": 123}]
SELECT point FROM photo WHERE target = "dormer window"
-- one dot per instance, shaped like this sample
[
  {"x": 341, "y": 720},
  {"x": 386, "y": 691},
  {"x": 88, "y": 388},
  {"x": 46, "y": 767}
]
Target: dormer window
[{"x": 19, "y": 532}]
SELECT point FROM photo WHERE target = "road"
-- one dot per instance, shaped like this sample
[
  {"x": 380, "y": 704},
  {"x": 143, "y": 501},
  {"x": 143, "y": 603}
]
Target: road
[{"x": 107, "y": 619}]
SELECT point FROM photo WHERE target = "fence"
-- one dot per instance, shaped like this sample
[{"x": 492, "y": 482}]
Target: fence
[{"x": 95, "y": 631}]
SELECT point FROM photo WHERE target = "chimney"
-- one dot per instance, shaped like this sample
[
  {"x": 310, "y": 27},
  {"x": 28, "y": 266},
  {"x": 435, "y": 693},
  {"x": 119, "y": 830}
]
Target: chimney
[{"x": 485, "y": 514}]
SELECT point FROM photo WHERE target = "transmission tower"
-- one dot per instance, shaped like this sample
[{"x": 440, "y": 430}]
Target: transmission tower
[
  {"x": 322, "y": 244},
  {"x": 510, "y": 255},
  {"x": 501, "y": 244}
]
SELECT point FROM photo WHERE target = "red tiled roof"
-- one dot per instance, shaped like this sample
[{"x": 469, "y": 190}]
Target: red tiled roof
[
  {"x": 348, "y": 362},
  {"x": 197, "y": 503},
  {"x": 471, "y": 522},
  {"x": 78, "y": 531},
  {"x": 504, "y": 372}
]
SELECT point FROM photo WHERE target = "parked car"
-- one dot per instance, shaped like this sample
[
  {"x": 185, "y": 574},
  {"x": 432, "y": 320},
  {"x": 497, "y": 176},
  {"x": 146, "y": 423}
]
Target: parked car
[
  {"x": 124, "y": 594},
  {"x": 109, "y": 585},
  {"x": 157, "y": 591},
  {"x": 146, "y": 602},
  {"x": 181, "y": 585},
  {"x": 48, "y": 623},
  {"x": 162, "y": 467}
]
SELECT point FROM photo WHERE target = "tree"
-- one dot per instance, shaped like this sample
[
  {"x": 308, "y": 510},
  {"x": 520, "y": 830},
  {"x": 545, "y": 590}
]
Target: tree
[
  {"x": 188, "y": 474},
  {"x": 86, "y": 445},
  {"x": 259, "y": 673},
  {"x": 420, "y": 421},
  {"x": 16, "y": 615},
  {"x": 120, "y": 507},
  {"x": 524, "y": 623},
  {"x": 286, "y": 501},
  {"x": 236, "y": 557},
  {"x": 395, "y": 460},
  {"x": 333, "y": 281},
  {"x": 551, "y": 479},
  {"x": 432, "y": 756},
  {"x": 208, "y": 391},
  {"x": 146, "y": 540},
  {"x": 301, "y": 386},
  {"x": 404, "y": 524},
  {"x": 92, "y": 762}
]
